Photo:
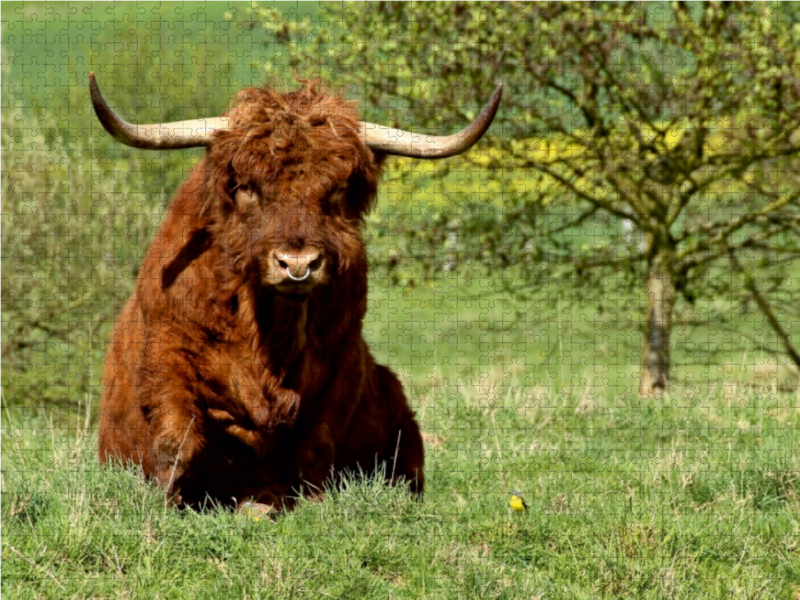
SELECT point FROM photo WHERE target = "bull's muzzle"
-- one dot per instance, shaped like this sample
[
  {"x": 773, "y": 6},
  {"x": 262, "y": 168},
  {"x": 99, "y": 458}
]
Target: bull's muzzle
[
  {"x": 303, "y": 278},
  {"x": 296, "y": 271}
]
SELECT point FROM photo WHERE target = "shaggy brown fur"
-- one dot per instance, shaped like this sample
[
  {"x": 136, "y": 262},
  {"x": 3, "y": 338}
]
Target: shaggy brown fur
[{"x": 219, "y": 382}]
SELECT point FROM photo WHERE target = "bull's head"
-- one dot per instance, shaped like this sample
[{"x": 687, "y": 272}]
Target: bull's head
[{"x": 289, "y": 178}]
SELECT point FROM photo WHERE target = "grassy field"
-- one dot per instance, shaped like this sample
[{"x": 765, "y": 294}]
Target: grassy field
[{"x": 694, "y": 496}]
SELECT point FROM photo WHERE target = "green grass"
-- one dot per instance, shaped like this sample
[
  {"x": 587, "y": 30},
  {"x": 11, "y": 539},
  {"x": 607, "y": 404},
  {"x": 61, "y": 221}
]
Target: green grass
[{"x": 686, "y": 499}]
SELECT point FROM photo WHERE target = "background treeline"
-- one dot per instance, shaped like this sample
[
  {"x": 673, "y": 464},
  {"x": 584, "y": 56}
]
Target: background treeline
[
  {"x": 634, "y": 210},
  {"x": 644, "y": 152}
]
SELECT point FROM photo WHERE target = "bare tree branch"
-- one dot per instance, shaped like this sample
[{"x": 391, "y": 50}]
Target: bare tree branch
[{"x": 766, "y": 309}]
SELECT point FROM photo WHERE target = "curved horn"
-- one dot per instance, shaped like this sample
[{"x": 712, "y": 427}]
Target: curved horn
[
  {"x": 419, "y": 145},
  {"x": 158, "y": 136}
]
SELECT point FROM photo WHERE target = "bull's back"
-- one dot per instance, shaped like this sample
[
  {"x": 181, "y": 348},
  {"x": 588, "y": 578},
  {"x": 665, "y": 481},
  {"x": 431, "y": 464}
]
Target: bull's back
[{"x": 121, "y": 423}]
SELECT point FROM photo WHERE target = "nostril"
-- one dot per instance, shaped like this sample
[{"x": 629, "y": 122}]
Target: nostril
[
  {"x": 315, "y": 264},
  {"x": 282, "y": 264}
]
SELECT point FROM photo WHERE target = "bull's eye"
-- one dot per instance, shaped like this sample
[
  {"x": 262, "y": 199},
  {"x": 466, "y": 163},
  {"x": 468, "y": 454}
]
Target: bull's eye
[{"x": 245, "y": 196}]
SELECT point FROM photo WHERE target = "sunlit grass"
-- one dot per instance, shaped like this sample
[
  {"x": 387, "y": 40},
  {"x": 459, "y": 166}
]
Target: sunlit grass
[{"x": 627, "y": 499}]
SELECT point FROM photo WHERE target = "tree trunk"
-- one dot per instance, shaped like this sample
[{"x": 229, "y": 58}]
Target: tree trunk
[{"x": 654, "y": 377}]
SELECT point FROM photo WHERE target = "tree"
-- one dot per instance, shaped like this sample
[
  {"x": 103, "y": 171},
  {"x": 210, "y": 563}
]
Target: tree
[{"x": 677, "y": 122}]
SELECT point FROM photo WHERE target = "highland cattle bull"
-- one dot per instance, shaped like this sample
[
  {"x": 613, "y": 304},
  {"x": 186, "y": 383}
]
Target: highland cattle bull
[{"x": 238, "y": 370}]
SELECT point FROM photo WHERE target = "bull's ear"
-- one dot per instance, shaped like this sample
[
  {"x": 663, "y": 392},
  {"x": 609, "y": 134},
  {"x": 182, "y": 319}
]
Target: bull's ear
[
  {"x": 379, "y": 158},
  {"x": 199, "y": 241},
  {"x": 361, "y": 192}
]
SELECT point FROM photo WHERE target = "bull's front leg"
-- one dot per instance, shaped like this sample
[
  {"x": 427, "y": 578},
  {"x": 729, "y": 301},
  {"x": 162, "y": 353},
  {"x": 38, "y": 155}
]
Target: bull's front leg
[
  {"x": 169, "y": 405},
  {"x": 175, "y": 444},
  {"x": 322, "y": 442},
  {"x": 304, "y": 474},
  {"x": 316, "y": 458}
]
